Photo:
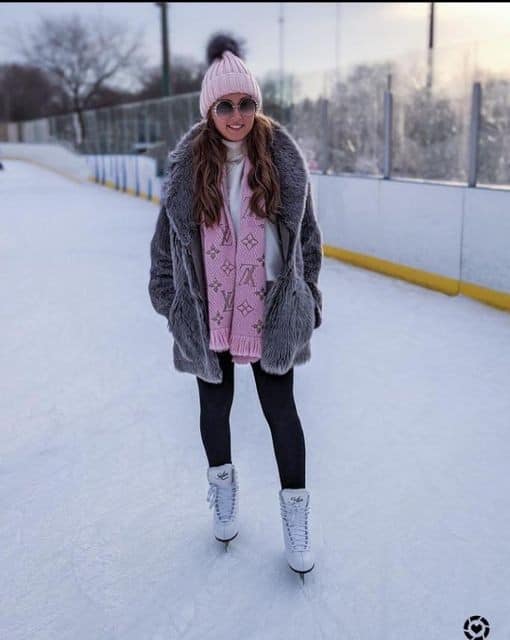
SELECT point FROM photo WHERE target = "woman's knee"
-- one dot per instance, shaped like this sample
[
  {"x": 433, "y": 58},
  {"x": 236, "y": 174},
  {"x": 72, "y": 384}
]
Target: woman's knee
[{"x": 279, "y": 411}]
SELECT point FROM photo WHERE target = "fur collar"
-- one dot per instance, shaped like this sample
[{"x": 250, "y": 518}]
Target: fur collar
[{"x": 177, "y": 188}]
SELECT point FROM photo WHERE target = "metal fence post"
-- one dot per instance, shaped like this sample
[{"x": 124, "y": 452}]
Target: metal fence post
[
  {"x": 388, "y": 132},
  {"x": 124, "y": 175},
  {"x": 137, "y": 177},
  {"x": 117, "y": 172},
  {"x": 474, "y": 134},
  {"x": 325, "y": 138}
]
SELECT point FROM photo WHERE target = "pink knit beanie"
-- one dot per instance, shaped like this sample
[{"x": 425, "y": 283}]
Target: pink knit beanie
[{"x": 227, "y": 73}]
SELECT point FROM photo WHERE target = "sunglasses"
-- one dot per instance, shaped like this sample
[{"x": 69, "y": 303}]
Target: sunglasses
[{"x": 225, "y": 108}]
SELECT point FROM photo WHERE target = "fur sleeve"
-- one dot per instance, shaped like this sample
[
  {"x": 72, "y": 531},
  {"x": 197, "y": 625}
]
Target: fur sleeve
[
  {"x": 311, "y": 244},
  {"x": 161, "y": 283}
]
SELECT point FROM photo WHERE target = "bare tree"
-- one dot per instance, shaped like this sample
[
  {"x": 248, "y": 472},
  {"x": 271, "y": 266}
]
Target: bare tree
[
  {"x": 27, "y": 92},
  {"x": 187, "y": 76},
  {"x": 82, "y": 55}
]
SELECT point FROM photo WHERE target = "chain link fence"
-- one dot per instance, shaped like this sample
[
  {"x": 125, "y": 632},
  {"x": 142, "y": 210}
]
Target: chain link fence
[{"x": 413, "y": 119}]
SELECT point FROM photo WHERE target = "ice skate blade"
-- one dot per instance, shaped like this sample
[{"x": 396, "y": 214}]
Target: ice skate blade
[
  {"x": 302, "y": 573},
  {"x": 225, "y": 542}
]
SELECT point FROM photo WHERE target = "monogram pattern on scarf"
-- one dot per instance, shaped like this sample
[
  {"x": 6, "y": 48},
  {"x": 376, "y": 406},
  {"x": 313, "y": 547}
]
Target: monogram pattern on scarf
[{"x": 236, "y": 277}]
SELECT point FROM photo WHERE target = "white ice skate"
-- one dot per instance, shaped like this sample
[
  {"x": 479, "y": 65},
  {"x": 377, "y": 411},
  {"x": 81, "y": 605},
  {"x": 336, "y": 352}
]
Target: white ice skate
[
  {"x": 295, "y": 509},
  {"x": 223, "y": 495}
]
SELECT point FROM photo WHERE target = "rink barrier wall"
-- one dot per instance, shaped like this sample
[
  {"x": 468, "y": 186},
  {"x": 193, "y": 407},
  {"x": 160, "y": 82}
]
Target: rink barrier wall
[
  {"x": 131, "y": 174},
  {"x": 447, "y": 237},
  {"x": 387, "y": 226}
]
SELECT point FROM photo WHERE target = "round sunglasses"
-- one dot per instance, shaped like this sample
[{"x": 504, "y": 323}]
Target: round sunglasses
[{"x": 225, "y": 108}]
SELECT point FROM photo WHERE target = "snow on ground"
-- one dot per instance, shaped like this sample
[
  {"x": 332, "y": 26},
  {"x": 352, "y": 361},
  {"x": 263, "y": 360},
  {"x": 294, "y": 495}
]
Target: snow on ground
[{"x": 105, "y": 530}]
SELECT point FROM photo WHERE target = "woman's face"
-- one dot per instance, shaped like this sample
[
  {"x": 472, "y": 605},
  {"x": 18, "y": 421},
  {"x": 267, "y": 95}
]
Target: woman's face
[{"x": 224, "y": 125}]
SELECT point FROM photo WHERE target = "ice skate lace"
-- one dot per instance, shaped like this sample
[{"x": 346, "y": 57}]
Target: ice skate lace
[
  {"x": 223, "y": 499},
  {"x": 295, "y": 517}
]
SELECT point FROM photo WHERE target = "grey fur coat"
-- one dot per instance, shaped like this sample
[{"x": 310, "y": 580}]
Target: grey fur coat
[{"x": 177, "y": 286}]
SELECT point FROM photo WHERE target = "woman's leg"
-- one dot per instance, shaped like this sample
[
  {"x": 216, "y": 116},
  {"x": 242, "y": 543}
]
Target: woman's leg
[
  {"x": 215, "y": 404},
  {"x": 276, "y": 397}
]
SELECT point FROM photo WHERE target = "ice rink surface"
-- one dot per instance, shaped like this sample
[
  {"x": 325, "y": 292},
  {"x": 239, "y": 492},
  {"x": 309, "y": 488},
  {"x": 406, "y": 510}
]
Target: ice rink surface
[{"x": 105, "y": 532}]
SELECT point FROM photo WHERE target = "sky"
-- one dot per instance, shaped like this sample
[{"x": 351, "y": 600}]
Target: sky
[{"x": 316, "y": 36}]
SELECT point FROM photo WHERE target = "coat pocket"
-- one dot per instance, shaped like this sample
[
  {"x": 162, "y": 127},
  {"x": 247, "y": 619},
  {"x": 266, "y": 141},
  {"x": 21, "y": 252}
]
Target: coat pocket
[
  {"x": 303, "y": 312},
  {"x": 182, "y": 327},
  {"x": 288, "y": 318},
  {"x": 317, "y": 300},
  {"x": 171, "y": 311}
]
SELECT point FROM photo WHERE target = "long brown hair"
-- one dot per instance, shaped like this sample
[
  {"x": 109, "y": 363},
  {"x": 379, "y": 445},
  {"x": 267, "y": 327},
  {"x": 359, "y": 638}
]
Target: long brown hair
[{"x": 209, "y": 155}]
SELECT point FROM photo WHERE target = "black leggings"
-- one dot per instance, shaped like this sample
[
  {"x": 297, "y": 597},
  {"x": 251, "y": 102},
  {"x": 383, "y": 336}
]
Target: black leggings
[{"x": 277, "y": 401}]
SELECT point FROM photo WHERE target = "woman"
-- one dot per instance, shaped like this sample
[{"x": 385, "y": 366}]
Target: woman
[{"x": 235, "y": 260}]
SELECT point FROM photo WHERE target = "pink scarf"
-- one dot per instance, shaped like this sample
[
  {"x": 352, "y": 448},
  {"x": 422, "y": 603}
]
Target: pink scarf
[{"x": 236, "y": 278}]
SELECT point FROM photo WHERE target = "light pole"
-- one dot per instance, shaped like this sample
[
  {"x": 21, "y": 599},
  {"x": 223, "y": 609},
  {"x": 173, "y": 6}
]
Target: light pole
[
  {"x": 280, "y": 22},
  {"x": 337, "y": 40},
  {"x": 164, "y": 47},
  {"x": 430, "y": 50},
  {"x": 162, "y": 152}
]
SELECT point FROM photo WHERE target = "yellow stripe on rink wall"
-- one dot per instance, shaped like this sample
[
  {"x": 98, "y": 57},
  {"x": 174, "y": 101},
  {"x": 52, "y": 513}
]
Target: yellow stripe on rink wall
[
  {"x": 416, "y": 276},
  {"x": 498, "y": 299},
  {"x": 128, "y": 191},
  {"x": 435, "y": 281}
]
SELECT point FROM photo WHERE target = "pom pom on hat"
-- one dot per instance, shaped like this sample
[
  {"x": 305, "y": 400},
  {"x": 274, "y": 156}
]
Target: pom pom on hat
[
  {"x": 220, "y": 42},
  {"x": 227, "y": 72}
]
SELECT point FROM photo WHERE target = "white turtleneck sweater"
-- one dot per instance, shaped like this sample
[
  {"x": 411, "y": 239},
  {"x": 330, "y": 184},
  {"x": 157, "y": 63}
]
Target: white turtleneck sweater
[{"x": 236, "y": 152}]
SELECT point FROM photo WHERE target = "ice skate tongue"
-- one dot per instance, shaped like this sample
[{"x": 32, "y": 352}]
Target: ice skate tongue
[
  {"x": 295, "y": 496},
  {"x": 221, "y": 475}
]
